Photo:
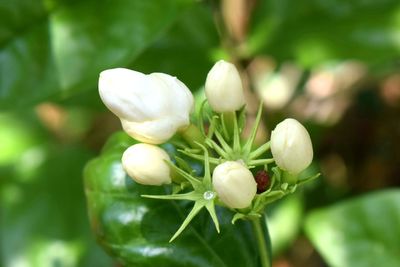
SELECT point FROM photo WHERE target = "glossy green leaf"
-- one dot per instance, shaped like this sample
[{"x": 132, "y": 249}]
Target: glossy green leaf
[
  {"x": 58, "y": 48},
  {"x": 136, "y": 230},
  {"x": 314, "y": 31},
  {"x": 361, "y": 232}
]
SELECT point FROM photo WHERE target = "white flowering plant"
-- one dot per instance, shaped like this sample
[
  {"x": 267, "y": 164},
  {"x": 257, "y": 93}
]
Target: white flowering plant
[{"x": 238, "y": 174}]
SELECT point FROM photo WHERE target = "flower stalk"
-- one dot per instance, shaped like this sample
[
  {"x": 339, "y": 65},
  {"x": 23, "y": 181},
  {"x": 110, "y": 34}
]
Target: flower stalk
[
  {"x": 261, "y": 233},
  {"x": 192, "y": 135}
]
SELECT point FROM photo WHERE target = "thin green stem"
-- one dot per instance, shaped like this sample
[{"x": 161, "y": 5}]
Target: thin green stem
[
  {"x": 250, "y": 141},
  {"x": 224, "y": 124},
  {"x": 259, "y": 151},
  {"x": 222, "y": 142},
  {"x": 236, "y": 135},
  {"x": 265, "y": 256},
  {"x": 217, "y": 148},
  {"x": 200, "y": 157},
  {"x": 258, "y": 162}
]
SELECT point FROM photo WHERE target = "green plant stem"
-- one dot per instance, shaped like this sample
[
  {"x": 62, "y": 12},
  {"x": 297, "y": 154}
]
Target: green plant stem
[
  {"x": 228, "y": 121},
  {"x": 265, "y": 257},
  {"x": 289, "y": 178},
  {"x": 192, "y": 135}
]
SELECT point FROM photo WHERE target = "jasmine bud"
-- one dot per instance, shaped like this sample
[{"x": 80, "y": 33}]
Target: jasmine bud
[
  {"x": 146, "y": 164},
  {"x": 291, "y": 146},
  {"x": 234, "y": 184},
  {"x": 224, "y": 89}
]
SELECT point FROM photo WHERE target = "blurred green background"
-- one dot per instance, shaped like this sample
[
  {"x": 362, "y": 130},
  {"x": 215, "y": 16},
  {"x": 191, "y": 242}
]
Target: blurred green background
[{"x": 334, "y": 65}]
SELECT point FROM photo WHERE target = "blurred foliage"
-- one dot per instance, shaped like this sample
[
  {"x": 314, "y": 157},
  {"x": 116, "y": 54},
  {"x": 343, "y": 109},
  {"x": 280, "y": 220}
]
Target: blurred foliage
[
  {"x": 185, "y": 50},
  {"x": 359, "y": 232},
  {"x": 315, "y": 31},
  {"x": 61, "y": 46},
  {"x": 343, "y": 86},
  {"x": 284, "y": 222},
  {"x": 43, "y": 215}
]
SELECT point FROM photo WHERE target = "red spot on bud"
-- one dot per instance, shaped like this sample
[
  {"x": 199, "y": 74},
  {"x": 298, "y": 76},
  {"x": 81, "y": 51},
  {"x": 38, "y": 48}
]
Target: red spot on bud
[{"x": 262, "y": 180}]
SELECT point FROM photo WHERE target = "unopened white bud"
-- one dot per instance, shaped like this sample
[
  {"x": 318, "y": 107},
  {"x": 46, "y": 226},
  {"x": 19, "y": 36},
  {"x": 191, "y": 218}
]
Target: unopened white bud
[
  {"x": 234, "y": 184},
  {"x": 146, "y": 164},
  {"x": 291, "y": 146},
  {"x": 151, "y": 107},
  {"x": 224, "y": 89}
]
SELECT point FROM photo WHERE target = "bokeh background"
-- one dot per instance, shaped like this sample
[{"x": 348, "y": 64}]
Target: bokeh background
[{"x": 333, "y": 65}]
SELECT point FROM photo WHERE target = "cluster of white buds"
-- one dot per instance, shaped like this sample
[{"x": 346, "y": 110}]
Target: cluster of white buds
[{"x": 152, "y": 108}]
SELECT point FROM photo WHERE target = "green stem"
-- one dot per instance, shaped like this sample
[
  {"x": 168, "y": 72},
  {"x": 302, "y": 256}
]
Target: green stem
[
  {"x": 192, "y": 136},
  {"x": 289, "y": 178},
  {"x": 227, "y": 121},
  {"x": 265, "y": 256}
]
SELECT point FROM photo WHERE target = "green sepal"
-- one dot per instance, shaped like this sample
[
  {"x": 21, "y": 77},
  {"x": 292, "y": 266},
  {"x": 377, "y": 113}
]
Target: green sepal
[
  {"x": 236, "y": 136},
  {"x": 245, "y": 216},
  {"x": 193, "y": 196},
  {"x": 192, "y": 180},
  {"x": 196, "y": 209},
  {"x": 226, "y": 125},
  {"x": 237, "y": 216},
  {"x": 200, "y": 188},
  {"x": 277, "y": 176},
  {"x": 181, "y": 163},
  {"x": 241, "y": 118},
  {"x": 248, "y": 145},
  {"x": 212, "y": 160},
  {"x": 308, "y": 179},
  {"x": 176, "y": 188},
  {"x": 260, "y": 162},
  {"x": 211, "y": 210},
  {"x": 260, "y": 150}
]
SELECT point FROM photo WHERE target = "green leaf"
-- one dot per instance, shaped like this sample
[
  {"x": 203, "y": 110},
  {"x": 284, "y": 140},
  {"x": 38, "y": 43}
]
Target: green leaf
[
  {"x": 316, "y": 31},
  {"x": 58, "y": 49},
  {"x": 136, "y": 230},
  {"x": 361, "y": 232}
]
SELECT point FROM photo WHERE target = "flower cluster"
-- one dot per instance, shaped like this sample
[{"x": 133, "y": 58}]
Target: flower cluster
[{"x": 153, "y": 108}]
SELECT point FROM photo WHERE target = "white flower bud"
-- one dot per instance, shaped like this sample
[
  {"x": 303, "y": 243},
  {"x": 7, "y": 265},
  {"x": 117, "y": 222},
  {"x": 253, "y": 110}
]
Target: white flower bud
[
  {"x": 291, "y": 146},
  {"x": 151, "y": 107},
  {"x": 146, "y": 164},
  {"x": 224, "y": 90},
  {"x": 234, "y": 184}
]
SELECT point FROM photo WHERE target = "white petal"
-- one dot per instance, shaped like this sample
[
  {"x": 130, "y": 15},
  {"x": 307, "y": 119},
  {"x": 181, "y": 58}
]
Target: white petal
[
  {"x": 146, "y": 164},
  {"x": 234, "y": 184},
  {"x": 156, "y": 131},
  {"x": 131, "y": 95},
  {"x": 151, "y": 107},
  {"x": 291, "y": 146},
  {"x": 223, "y": 88}
]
